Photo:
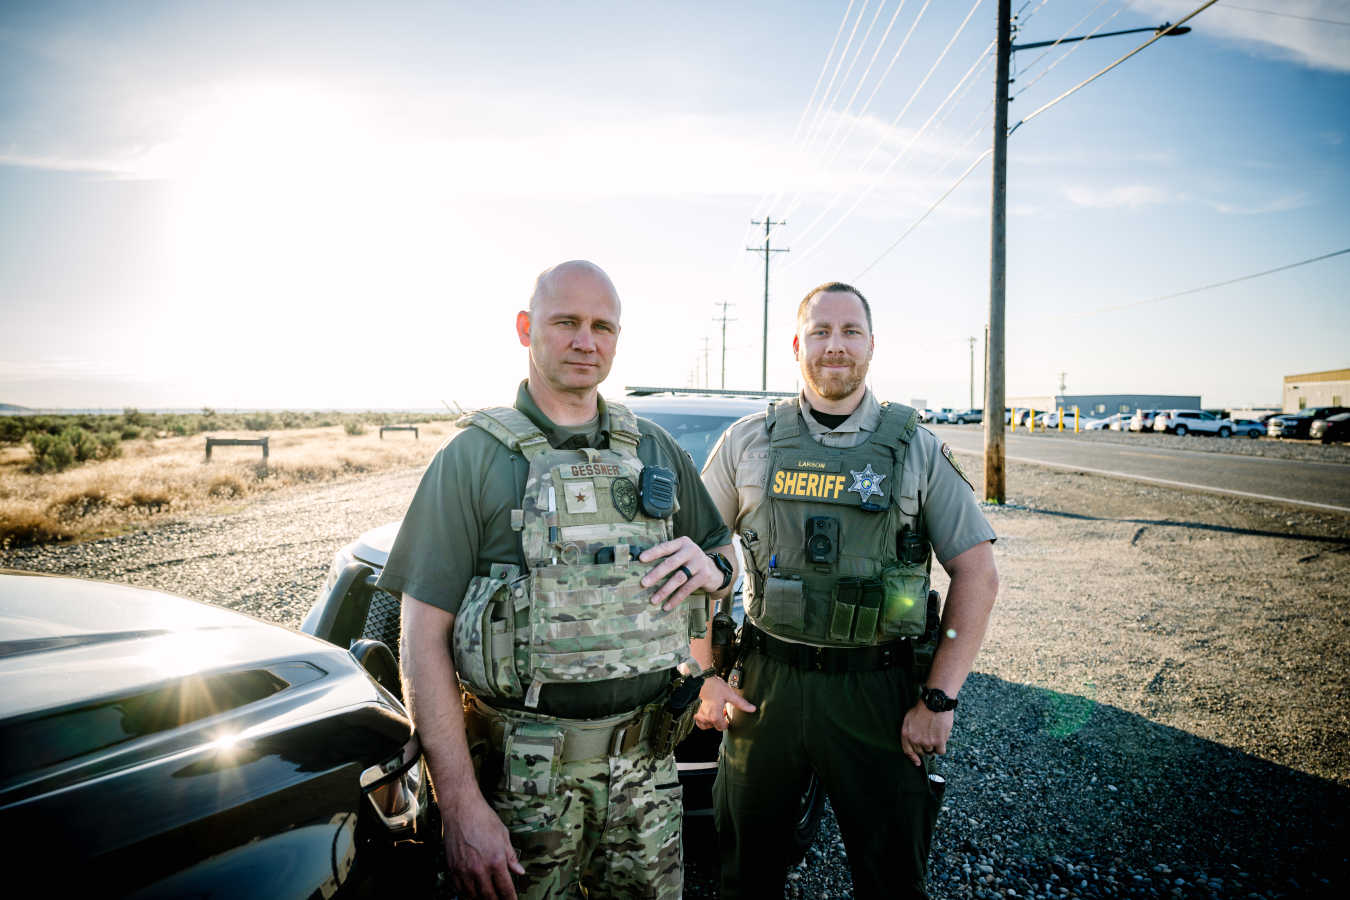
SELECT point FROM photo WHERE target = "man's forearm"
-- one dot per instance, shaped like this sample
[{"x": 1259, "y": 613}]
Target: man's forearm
[
  {"x": 432, "y": 691},
  {"x": 965, "y": 617}
]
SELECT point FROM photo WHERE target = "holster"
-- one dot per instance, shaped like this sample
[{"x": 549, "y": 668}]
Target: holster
[
  {"x": 723, "y": 640},
  {"x": 671, "y": 729},
  {"x": 925, "y": 646}
]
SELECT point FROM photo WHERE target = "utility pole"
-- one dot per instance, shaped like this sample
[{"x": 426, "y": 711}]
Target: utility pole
[
  {"x": 985, "y": 380},
  {"x": 768, "y": 252},
  {"x": 705, "y": 361},
  {"x": 1062, "y": 376},
  {"x": 724, "y": 320},
  {"x": 972, "y": 373},
  {"x": 994, "y": 484}
]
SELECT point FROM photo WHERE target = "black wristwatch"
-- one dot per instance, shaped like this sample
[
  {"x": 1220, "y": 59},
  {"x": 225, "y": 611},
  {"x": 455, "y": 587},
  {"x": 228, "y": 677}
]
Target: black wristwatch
[
  {"x": 724, "y": 567},
  {"x": 935, "y": 700}
]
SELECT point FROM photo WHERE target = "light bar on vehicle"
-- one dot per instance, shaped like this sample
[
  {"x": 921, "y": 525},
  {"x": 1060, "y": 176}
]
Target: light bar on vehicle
[{"x": 713, "y": 392}]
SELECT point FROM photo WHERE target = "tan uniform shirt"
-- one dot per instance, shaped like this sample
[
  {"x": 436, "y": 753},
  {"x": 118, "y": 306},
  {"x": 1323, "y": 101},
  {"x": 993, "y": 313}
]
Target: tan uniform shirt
[{"x": 948, "y": 512}]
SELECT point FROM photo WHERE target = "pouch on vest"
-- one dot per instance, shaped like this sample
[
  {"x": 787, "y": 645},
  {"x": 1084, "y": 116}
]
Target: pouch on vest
[
  {"x": 533, "y": 757},
  {"x": 485, "y": 632},
  {"x": 785, "y": 601},
  {"x": 905, "y": 608}
]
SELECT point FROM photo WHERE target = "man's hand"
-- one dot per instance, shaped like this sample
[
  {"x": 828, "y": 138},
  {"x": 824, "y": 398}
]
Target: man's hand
[
  {"x": 716, "y": 694},
  {"x": 925, "y": 732},
  {"x": 479, "y": 853},
  {"x": 703, "y": 572}
]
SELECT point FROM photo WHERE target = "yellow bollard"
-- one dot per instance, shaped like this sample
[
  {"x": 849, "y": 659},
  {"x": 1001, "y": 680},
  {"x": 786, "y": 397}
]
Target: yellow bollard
[
  {"x": 1013, "y": 419},
  {"x": 1031, "y": 422},
  {"x": 1075, "y": 420},
  {"x": 1060, "y": 420}
]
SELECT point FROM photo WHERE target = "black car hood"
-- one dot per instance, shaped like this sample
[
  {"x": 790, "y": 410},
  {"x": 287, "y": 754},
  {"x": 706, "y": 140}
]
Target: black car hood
[{"x": 67, "y": 641}]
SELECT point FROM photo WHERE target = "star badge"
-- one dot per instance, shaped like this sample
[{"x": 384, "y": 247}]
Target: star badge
[{"x": 867, "y": 482}]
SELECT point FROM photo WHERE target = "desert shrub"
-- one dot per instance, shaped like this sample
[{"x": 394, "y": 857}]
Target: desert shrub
[
  {"x": 208, "y": 412},
  {"x": 152, "y": 500},
  {"x": 130, "y": 432},
  {"x": 28, "y": 526},
  {"x": 354, "y": 427},
  {"x": 82, "y": 444},
  {"x": 12, "y": 429},
  {"x": 80, "y": 503},
  {"x": 265, "y": 421},
  {"x": 134, "y": 416},
  {"x": 51, "y": 453},
  {"x": 109, "y": 445},
  {"x": 226, "y": 486}
]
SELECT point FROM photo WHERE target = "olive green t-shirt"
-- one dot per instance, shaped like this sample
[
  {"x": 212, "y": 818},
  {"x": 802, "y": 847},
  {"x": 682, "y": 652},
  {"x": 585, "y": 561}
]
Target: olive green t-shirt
[{"x": 459, "y": 524}]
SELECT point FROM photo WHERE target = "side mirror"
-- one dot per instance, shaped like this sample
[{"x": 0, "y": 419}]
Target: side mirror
[{"x": 378, "y": 660}]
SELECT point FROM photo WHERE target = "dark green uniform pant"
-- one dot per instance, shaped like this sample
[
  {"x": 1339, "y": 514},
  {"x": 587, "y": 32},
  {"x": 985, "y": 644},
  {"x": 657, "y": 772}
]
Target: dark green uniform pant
[{"x": 847, "y": 727}]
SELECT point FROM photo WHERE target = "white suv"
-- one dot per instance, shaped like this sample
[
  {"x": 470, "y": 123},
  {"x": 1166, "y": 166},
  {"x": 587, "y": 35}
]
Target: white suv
[{"x": 1188, "y": 421}]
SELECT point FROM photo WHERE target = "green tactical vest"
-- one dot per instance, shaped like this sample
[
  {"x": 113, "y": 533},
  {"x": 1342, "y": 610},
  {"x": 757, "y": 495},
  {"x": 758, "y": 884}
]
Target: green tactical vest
[
  {"x": 569, "y": 618},
  {"x": 867, "y": 595}
]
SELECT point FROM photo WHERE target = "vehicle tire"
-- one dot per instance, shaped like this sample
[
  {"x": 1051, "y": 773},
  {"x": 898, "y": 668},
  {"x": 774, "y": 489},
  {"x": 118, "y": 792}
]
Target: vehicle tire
[
  {"x": 1254, "y": 435},
  {"x": 1224, "y": 432},
  {"x": 812, "y": 809},
  {"x": 1180, "y": 431},
  {"x": 960, "y": 421}
]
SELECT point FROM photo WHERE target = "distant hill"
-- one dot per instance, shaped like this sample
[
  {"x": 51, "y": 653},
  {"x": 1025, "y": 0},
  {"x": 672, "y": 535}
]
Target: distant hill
[{"x": 11, "y": 408}]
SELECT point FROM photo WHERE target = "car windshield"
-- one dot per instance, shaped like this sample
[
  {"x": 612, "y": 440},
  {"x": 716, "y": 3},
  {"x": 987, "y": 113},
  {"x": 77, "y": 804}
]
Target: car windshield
[{"x": 696, "y": 434}]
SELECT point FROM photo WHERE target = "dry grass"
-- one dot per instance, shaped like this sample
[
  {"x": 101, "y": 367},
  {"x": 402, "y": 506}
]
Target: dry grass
[{"x": 170, "y": 476}]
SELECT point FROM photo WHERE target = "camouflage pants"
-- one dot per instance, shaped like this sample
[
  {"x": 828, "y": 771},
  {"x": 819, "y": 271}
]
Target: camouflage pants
[{"x": 609, "y": 825}]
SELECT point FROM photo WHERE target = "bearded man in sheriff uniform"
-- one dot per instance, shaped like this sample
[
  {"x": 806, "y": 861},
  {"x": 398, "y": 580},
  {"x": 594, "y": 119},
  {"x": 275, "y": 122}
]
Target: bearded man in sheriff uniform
[
  {"x": 547, "y": 564},
  {"x": 840, "y": 502}
]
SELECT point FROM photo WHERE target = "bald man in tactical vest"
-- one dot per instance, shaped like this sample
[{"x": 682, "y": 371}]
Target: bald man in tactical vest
[
  {"x": 548, "y": 565},
  {"x": 840, "y": 502}
]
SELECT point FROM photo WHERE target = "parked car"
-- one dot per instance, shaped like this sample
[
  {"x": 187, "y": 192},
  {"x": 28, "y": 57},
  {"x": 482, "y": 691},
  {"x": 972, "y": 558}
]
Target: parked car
[
  {"x": 349, "y": 595},
  {"x": 925, "y": 415},
  {"x": 160, "y": 746},
  {"x": 1142, "y": 420},
  {"x": 1095, "y": 424},
  {"x": 966, "y": 416},
  {"x": 1332, "y": 428},
  {"x": 1250, "y": 427},
  {"x": 1299, "y": 425},
  {"x": 1191, "y": 421}
]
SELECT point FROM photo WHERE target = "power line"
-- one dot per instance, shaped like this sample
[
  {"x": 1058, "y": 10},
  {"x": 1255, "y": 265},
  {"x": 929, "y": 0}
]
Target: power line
[
  {"x": 856, "y": 55},
  {"x": 1285, "y": 15},
  {"x": 895, "y": 122},
  {"x": 1184, "y": 293},
  {"x": 925, "y": 214},
  {"x": 1162, "y": 33},
  {"x": 1076, "y": 45}
]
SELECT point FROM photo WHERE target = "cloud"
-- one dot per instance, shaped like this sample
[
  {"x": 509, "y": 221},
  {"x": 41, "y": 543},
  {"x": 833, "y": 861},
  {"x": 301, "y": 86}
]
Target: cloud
[
  {"x": 1314, "y": 44},
  {"x": 1129, "y": 196}
]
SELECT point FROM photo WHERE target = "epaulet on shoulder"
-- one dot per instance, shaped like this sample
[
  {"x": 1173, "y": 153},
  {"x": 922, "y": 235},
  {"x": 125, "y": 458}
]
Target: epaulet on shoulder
[
  {"x": 622, "y": 421},
  {"x": 508, "y": 425}
]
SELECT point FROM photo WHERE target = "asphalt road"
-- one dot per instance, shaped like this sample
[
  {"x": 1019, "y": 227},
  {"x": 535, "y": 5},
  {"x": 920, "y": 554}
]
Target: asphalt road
[{"x": 1315, "y": 484}]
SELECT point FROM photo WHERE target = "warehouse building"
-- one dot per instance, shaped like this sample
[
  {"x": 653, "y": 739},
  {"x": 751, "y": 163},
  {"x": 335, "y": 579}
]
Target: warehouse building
[
  {"x": 1097, "y": 406},
  {"x": 1316, "y": 389}
]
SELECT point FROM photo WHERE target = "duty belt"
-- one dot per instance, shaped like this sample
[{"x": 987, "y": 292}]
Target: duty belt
[
  {"x": 582, "y": 738},
  {"x": 808, "y": 657}
]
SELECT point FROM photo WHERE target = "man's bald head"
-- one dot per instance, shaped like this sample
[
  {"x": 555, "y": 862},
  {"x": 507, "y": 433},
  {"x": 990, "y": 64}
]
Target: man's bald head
[{"x": 573, "y": 275}]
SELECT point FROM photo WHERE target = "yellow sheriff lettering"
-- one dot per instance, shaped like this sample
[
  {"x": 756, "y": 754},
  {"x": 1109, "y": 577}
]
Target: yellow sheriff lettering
[
  {"x": 778, "y": 482},
  {"x": 813, "y": 485}
]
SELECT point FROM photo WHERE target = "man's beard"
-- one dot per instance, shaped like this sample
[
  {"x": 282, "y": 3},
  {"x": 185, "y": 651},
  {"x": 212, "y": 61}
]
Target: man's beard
[{"x": 835, "y": 385}]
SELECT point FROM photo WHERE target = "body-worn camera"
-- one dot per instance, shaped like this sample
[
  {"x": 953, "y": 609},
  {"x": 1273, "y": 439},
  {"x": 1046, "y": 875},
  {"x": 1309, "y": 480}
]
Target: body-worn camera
[
  {"x": 822, "y": 539},
  {"x": 657, "y": 492}
]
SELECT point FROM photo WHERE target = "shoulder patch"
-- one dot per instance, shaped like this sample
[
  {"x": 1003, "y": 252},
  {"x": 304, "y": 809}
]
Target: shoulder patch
[{"x": 951, "y": 458}]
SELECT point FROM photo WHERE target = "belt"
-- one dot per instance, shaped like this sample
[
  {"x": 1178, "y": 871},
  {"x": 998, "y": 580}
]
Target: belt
[
  {"x": 828, "y": 659},
  {"x": 582, "y": 738}
]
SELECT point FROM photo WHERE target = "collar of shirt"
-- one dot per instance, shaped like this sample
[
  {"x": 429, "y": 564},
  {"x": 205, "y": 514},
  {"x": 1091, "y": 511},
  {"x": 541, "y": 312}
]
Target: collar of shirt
[
  {"x": 560, "y": 438},
  {"x": 852, "y": 431}
]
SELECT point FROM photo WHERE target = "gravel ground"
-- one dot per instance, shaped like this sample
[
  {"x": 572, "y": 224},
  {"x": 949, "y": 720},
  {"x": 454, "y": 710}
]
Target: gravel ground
[
  {"x": 1272, "y": 448},
  {"x": 1160, "y": 709}
]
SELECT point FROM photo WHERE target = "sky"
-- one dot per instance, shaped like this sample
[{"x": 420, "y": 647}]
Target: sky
[{"x": 314, "y": 205}]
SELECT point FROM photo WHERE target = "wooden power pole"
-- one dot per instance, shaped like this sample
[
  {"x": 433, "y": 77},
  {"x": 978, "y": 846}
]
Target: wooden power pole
[
  {"x": 994, "y": 483},
  {"x": 768, "y": 254}
]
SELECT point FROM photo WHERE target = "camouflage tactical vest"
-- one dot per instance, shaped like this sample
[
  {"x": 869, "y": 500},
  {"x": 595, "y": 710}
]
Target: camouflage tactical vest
[
  {"x": 570, "y": 618},
  {"x": 869, "y": 593}
]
